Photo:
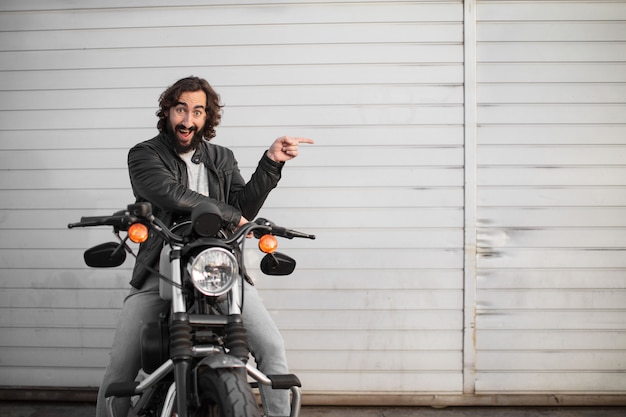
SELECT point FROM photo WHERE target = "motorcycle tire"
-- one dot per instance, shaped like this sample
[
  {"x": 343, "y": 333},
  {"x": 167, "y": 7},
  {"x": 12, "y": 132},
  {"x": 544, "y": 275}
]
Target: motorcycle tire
[{"x": 226, "y": 393}]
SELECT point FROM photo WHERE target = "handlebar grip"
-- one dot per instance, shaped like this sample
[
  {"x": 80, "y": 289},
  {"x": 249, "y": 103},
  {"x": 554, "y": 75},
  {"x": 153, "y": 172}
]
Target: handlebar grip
[
  {"x": 87, "y": 221},
  {"x": 93, "y": 219},
  {"x": 283, "y": 232},
  {"x": 116, "y": 221}
]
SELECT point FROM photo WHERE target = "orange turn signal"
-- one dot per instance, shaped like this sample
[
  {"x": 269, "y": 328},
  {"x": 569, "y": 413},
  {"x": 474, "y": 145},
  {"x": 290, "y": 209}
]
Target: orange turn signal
[
  {"x": 138, "y": 232},
  {"x": 268, "y": 243}
]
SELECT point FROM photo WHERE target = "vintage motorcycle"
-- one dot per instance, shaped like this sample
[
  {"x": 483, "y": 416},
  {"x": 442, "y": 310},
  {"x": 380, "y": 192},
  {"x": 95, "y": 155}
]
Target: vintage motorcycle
[{"x": 195, "y": 359}]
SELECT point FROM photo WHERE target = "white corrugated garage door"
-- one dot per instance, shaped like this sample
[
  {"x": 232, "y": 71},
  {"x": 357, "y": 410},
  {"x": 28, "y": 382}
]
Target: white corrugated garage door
[
  {"x": 376, "y": 304},
  {"x": 551, "y": 197}
]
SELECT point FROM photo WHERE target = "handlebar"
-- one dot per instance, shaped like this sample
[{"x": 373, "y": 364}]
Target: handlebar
[
  {"x": 262, "y": 227},
  {"x": 122, "y": 220}
]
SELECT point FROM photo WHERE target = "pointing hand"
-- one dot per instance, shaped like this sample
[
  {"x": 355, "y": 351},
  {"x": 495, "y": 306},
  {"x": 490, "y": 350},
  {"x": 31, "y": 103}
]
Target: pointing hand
[{"x": 285, "y": 148}]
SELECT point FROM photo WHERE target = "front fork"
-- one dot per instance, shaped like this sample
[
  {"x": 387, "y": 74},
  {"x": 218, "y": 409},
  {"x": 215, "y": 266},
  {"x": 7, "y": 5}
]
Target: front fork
[{"x": 181, "y": 345}]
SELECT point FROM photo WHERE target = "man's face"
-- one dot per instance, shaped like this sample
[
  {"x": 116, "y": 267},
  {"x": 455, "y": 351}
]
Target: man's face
[{"x": 187, "y": 118}]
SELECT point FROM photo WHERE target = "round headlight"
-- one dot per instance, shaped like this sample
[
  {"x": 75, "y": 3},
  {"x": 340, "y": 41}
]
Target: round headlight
[{"x": 213, "y": 271}]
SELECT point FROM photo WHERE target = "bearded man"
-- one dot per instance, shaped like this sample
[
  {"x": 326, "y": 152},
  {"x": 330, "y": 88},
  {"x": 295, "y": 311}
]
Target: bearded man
[{"x": 176, "y": 171}]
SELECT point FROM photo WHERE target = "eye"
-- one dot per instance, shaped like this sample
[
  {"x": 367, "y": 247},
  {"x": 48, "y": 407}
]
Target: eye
[{"x": 180, "y": 110}]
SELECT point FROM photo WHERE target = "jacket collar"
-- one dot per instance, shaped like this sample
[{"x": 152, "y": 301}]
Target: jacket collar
[{"x": 205, "y": 154}]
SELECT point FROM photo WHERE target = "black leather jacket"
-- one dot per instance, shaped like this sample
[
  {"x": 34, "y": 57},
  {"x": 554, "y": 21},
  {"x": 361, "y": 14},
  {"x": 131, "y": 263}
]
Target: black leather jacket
[{"x": 158, "y": 175}]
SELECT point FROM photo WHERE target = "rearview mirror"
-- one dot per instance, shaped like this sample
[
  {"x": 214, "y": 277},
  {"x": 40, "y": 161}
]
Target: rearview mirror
[
  {"x": 105, "y": 255},
  {"x": 277, "y": 264}
]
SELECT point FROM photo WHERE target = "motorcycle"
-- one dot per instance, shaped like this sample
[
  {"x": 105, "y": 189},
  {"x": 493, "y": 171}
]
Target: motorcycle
[{"x": 195, "y": 358}]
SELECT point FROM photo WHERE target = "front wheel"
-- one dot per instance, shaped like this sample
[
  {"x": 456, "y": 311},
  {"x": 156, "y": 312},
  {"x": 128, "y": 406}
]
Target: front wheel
[{"x": 226, "y": 393}]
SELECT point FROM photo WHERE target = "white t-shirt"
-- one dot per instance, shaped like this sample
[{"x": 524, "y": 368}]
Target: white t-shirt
[{"x": 196, "y": 174}]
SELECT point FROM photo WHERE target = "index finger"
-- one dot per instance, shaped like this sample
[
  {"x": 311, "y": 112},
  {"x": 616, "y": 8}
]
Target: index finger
[{"x": 305, "y": 140}]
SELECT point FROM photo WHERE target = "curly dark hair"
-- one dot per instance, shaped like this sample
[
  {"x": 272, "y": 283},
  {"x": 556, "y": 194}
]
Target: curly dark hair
[{"x": 170, "y": 97}]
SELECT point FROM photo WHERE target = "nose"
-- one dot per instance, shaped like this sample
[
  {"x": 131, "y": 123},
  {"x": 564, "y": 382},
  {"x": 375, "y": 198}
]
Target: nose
[{"x": 187, "y": 120}]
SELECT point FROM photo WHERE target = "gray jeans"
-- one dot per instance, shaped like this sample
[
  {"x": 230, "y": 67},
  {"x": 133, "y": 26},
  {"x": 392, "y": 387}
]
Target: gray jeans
[{"x": 145, "y": 305}]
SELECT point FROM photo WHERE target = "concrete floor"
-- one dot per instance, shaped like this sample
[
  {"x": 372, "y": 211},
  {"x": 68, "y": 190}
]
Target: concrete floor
[
  {"x": 466, "y": 412},
  {"x": 60, "y": 409}
]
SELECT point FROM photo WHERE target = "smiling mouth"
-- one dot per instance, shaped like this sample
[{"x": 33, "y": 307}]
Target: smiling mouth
[{"x": 185, "y": 131}]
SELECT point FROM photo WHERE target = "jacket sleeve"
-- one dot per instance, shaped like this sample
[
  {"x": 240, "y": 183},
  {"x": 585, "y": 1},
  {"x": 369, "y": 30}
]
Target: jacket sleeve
[
  {"x": 158, "y": 181},
  {"x": 249, "y": 197}
]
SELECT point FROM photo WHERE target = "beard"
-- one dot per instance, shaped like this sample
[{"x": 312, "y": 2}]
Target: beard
[{"x": 180, "y": 148}]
